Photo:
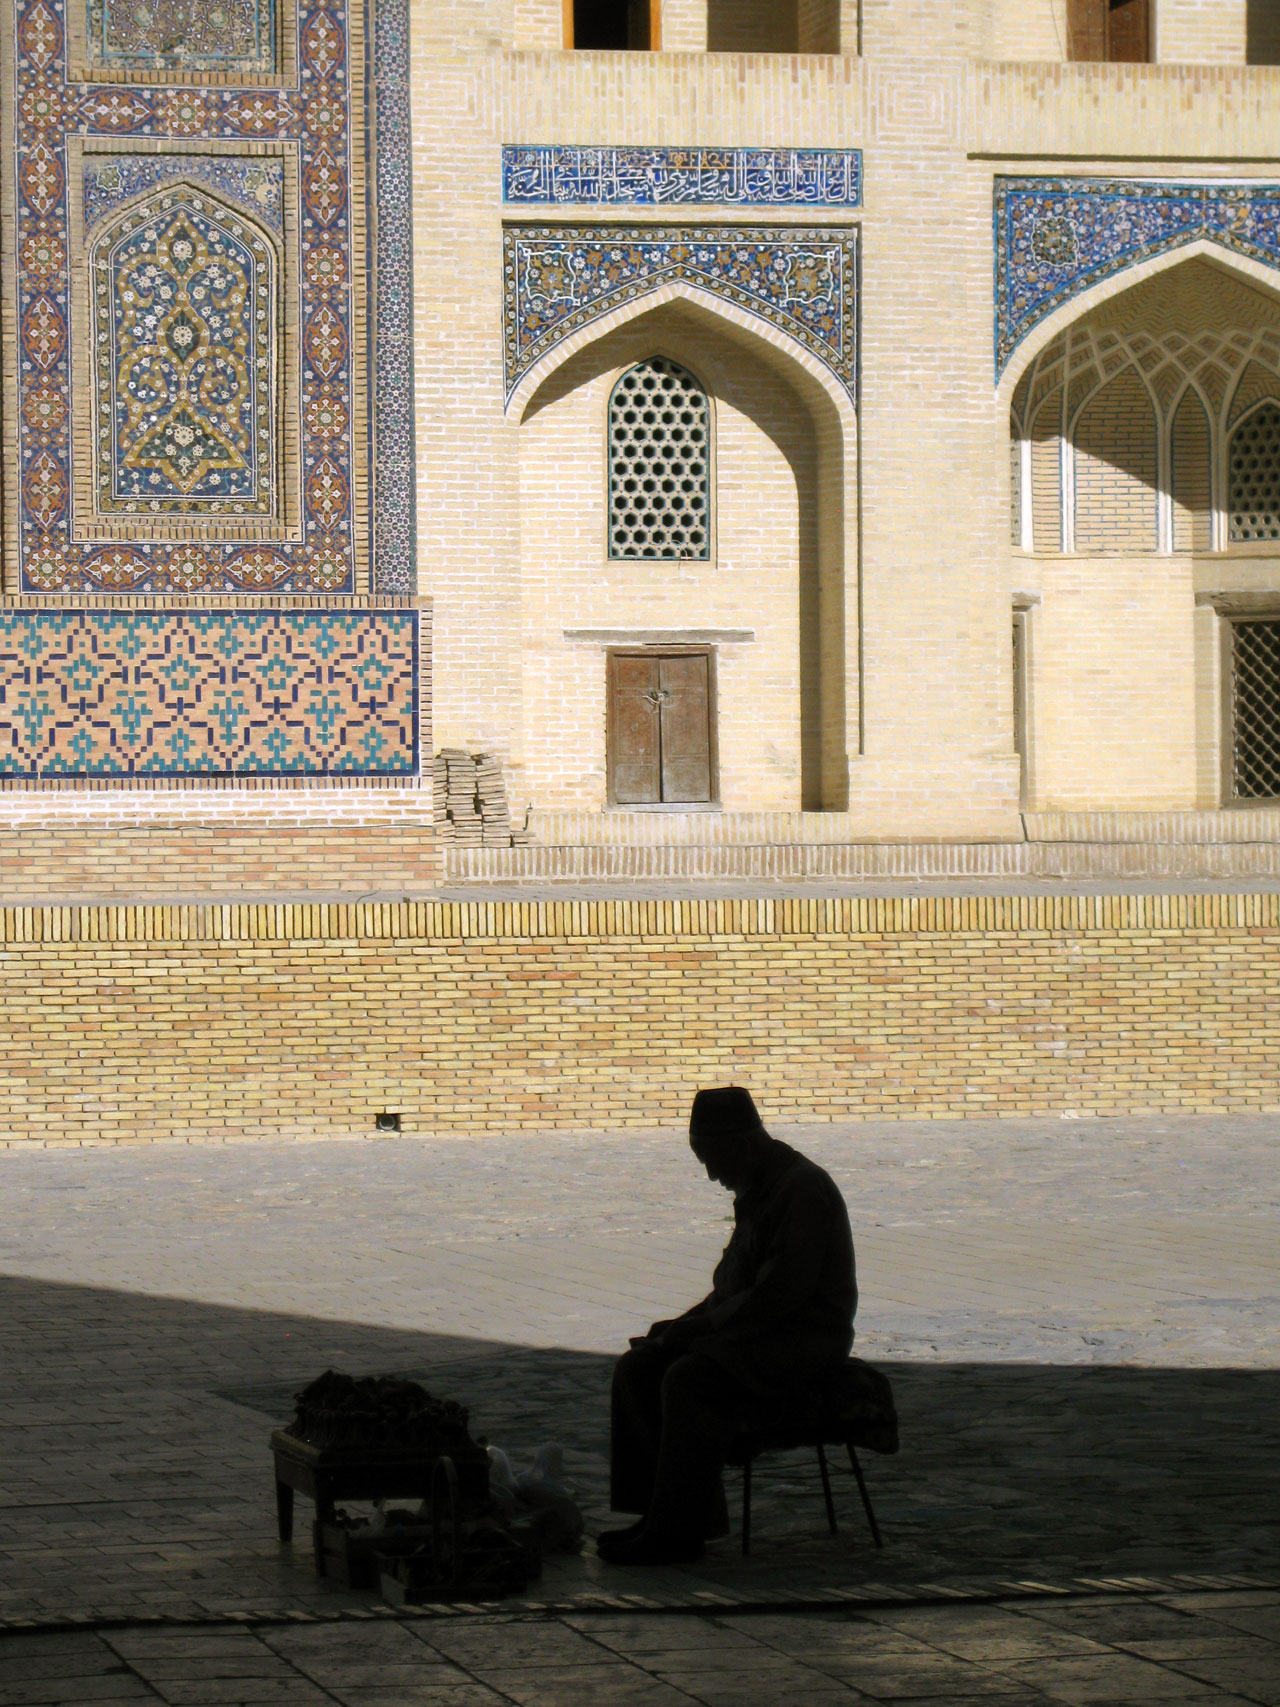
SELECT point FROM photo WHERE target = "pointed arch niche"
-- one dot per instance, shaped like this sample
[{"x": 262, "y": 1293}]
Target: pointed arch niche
[
  {"x": 189, "y": 429},
  {"x": 767, "y": 599},
  {"x": 1145, "y": 438},
  {"x": 1123, "y": 424}
]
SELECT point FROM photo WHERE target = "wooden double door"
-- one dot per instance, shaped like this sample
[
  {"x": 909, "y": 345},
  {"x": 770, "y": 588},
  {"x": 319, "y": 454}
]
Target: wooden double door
[
  {"x": 661, "y": 727},
  {"x": 1115, "y": 30}
]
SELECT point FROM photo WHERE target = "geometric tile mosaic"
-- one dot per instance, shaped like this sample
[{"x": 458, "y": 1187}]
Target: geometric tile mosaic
[
  {"x": 313, "y": 123},
  {"x": 208, "y": 693},
  {"x": 662, "y": 177},
  {"x": 1056, "y": 237},
  {"x": 801, "y": 279},
  {"x": 392, "y": 469}
]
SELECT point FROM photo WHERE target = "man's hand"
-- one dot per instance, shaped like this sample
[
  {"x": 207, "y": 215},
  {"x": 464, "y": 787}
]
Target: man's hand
[{"x": 678, "y": 1336}]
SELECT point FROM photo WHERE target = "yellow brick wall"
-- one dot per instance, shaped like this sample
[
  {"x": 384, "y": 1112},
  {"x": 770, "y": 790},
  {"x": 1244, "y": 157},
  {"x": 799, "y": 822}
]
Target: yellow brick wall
[
  {"x": 128, "y": 1025},
  {"x": 1205, "y": 32},
  {"x": 1115, "y": 469}
]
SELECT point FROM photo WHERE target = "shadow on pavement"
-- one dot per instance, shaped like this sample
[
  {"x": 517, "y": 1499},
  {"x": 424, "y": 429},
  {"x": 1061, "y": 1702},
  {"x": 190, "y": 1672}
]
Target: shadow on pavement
[{"x": 135, "y": 1476}]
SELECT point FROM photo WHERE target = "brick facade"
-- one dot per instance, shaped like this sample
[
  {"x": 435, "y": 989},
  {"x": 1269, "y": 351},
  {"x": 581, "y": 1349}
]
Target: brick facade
[{"x": 133, "y": 1024}]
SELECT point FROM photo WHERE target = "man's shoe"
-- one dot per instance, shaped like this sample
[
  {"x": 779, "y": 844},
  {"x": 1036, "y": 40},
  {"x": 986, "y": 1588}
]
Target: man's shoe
[
  {"x": 649, "y": 1549},
  {"x": 609, "y": 1540}
]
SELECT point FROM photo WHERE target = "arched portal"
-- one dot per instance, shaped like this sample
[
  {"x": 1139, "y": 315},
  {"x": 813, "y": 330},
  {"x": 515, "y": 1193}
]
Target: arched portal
[
  {"x": 1145, "y": 439},
  {"x": 762, "y": 599}
]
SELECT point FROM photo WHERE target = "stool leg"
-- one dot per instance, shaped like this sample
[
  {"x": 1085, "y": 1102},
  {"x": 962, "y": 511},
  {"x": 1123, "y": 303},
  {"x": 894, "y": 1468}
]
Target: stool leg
[
  {"x": 826, "y": 1490},
  {"x": 746, "y": 1508},
  {"x": 866, "y": 1497},
  {"x": 284, "y": 1510}
]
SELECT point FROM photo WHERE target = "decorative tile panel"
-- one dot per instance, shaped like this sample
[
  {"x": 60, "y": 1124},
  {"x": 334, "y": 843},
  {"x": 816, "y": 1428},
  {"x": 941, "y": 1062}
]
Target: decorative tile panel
[
  {"x": 148, "y": 695},
  {"x": 1056, "y": 237},
  {"x": 393, "y": 463},
  {"x": 802, "y": 280},
  {"x": 181, "y": 35},
  {"x": 323, "y": 441},
  {"x": 184, "y": 315},
  {"x": 660, "y": 177},
  {"x": 113, "y": 181}
]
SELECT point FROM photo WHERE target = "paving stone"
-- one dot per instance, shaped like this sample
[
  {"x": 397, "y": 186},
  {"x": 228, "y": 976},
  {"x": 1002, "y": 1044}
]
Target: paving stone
[
  {"x": 583, "y": 1686},
  {"x": 1092, "y": 1679}
]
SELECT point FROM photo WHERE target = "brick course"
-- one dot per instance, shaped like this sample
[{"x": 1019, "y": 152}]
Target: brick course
[{"x": 134, "y": 1024}]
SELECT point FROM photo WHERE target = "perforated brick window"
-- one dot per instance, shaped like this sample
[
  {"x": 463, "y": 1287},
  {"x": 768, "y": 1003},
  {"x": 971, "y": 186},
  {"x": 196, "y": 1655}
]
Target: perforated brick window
[
  {"x": 659, "y": 463},
  {"x": 1255, "y": 710},
  {"x": 1255, "y": 476}
]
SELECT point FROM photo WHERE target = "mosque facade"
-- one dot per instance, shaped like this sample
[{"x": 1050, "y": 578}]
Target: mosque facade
[{"x": 550, "y": 438}]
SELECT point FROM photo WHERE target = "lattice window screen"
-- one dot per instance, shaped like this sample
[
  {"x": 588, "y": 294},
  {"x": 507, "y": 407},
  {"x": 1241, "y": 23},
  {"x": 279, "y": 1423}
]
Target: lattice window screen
[
  {"x": 659, "y": 463},
  {"x": 1255, "y": 476},
  {"x": 1255, "y": 705}
]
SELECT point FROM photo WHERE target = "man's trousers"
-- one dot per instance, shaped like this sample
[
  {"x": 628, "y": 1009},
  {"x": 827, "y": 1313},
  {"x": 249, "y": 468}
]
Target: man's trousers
[{"x": 673, "y": 1419}]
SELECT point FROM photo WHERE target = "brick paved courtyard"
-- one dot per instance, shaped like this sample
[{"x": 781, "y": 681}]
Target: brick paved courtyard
[{"x": 1080, "y": 1318}]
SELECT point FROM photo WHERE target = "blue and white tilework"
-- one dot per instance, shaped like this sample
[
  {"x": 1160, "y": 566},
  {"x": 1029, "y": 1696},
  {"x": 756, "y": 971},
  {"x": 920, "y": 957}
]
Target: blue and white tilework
[
  {"x": 312, "y": 120},
  {"x": 393, "y": 466},
  {"x": 663, "y": 177},
  {"x": 257, "y": 185},
  {"x": 1057, "y": 237},
  {"x": 133, "y": 694},
  {"x": 558, "y": 279}
]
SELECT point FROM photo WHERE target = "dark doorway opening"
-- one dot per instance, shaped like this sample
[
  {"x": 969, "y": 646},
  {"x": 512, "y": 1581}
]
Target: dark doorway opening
[{"x": 615, "y": 24}]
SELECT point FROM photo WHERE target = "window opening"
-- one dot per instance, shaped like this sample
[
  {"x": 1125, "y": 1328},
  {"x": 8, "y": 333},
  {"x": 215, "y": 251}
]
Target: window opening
[
  {"x": 1118, "y": 31},
  {"x": 1255, "y": 710},
  {"x": 659, "y": 463},
  {"x": 613, "y": 24},
  {"x": 660, "y": 728},
  {"x": 1263, "y": 32},
  {"x": 1254, "y": 481}
]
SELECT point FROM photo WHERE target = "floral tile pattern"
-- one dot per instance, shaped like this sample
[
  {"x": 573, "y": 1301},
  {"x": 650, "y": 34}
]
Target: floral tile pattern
[
  {"x": 802, "y": 280},
  {"x": 310, "y": 112},
  {"x": 184, "y": 310},
  {"x": 188, "y": 35},
  {"x": 1056, "y": 237},
  {"x": 142, "y": 694},
  {"x": 659, "y": 177}
]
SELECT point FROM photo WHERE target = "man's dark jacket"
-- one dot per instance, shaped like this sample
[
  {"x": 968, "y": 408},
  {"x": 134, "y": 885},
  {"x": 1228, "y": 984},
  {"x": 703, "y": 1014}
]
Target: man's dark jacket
[{"x": 784, "y": 1293}]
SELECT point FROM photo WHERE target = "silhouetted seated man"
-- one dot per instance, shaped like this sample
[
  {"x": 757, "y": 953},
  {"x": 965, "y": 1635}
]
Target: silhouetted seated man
[{"x": 778, "y": 1319}]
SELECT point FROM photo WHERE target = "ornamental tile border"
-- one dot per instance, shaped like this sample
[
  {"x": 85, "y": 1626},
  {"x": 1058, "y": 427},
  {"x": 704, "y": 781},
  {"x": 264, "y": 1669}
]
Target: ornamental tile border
[
  {"x": 800, "y": 279},
  {"x": 1057, "y": 237},
  {"x": 314, "y": 105},
  {"x": 569, "y": 176},
  {"x": 393, "y": 460},
  {"x": 135, "y": 695}
]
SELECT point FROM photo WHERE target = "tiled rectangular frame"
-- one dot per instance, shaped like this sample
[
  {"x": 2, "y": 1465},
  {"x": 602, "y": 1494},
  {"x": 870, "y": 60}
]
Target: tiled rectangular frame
[
  {"x": 560, "y": 175},
  {"x": 86, "y": 525},
  {"x": 286, "y": 52},
  {"x": 214, "y": 110}
]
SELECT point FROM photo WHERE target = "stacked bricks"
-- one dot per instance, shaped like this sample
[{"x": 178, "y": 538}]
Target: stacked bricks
[
  {"x": 133, "y": 1024},
  {"x": 470, "y": 800}
]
